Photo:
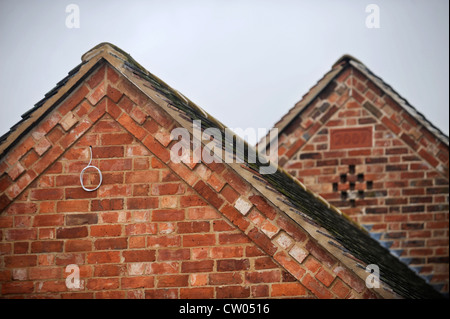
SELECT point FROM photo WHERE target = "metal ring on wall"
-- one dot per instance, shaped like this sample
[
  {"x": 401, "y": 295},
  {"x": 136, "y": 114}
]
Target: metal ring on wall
[{"x": 90, "y": 166}]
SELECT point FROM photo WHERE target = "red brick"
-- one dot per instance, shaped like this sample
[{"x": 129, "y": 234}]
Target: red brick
[
  {"x": 263, "y": 206},
  {"x": 289, "y": 264},
  {"x": 138, "y": 115},
  {"x": 72, "y": 206},
  {"x": 391, "y": 125},
  {"x": 235, "y": 217},
  {"x": 139, "y": 177},
  {"x": 81, "y": 219},
  {"x": 172, "y": 281},
  {"x": 227, "y": 252},
  {"x": 263, "y": 276},
  {"x": 164, "y": 241},
  {"x": 15, "y": 171},
  {"x": 142, "y": 203},
  {"x": 316, "y": 287},
  {"x": 5, "y": 182},
  {"x": 24, "y": 287},
  {"x": 320, "y": 253},
  {"x": 325, "y": 277},
  {"x": 107, "y": 204},
  {"x": 265, "y": 263},
  {"x": 78, "y": 245},
  {"x": 170, "y": 254},
  {"x": 350, "y": 278},
  {"x": 74, "y": 134},
  {"x": 113, "y": 94},
  {"x": 193, "y": 227},
  {"x": 161, "y": 294},
  {"x": 107, "y": 151},
  {"x": 48, "y": 220},
  {"x": 102, "y": 283},
  {"x": 208, "y": 193},
  {"x": 340, "y": 289},
  {"x": 108, "y": 270},
  {"x": 21, "y": 234},
  {"x": 106, "y": 230},
  {"x": 46, "y": 233},
  {"x": 111, "y": 243},
  {"x": 35, "y": 273},
  {"x": 20, "y": 261},
  {"x": 191, "y": 201},
  {"x": 197, "y": 293},
  {"x": 73, "y": 100},
  {"x": 21, "y": 208},
  {"x": 232, "y": 292},
  {"x": 168, "y": 189},
  {"x": 137, "y": 282},
  {"x": 52, "y": 286},
  {"x": 135, "y": 129},
  {"x": 197, "y": 266},
  {"x": 288, "y": 290},
  {"x": 233, "y": 238},
  {"x": 103, "y": 257},
  {"x": 293, "y": 149},
  {"x": 428, "y": 157},
  {"x": 202, "y": 213},
  {"x": 236, "y": 182},
  {"x": 108, "y": 139},
  {"x": 156, "y": 148},
  {"x": 259, "y": 291},
  {"x": 97, "y": 77},
  {"x": 198, "y": 240},
  {"x": 183, "y": 172},
  {"x": 139, "y": 255},
  {"x": 46, "y": 246},
  {"x": 158, "y": 115},
  {"x": 96, "y": 114},
  {"x": 72, "y": 232},
  {"x": 409, "y": 141},
  {"x": 230, "y": 194},
  {"x": 262, "y": 241},
  {"x": 222, "y": 225},
  {"x": 140, "y": 228},
  {"x": 21, "y": 184},
  {"x": 6, "y": 221}
]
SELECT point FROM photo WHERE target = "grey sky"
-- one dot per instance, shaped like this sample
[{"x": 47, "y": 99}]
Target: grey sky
[{"x": 245, "y": 62}]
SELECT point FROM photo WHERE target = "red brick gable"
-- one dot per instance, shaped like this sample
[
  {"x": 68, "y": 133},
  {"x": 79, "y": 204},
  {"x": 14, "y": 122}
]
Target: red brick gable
[
  {"x": 396, "y": 184},
  {"x": 154, "y": 229},
  {"x": 143, "y": 233}
]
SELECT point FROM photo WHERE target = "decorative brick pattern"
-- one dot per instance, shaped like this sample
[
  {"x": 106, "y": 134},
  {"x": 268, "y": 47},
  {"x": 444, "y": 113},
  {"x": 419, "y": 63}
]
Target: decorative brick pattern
[{"x": 396, "y": 186}]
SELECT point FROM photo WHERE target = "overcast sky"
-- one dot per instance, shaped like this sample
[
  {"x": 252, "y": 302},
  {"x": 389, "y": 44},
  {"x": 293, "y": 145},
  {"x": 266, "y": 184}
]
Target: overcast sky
[{"x": 245, "y": 62}]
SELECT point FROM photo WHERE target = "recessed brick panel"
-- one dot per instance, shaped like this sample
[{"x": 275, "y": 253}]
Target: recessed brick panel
[{"x": 351, "y": 138}]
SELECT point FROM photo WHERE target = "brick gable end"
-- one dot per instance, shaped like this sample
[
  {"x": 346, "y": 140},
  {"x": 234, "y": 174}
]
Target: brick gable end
[
  {"x": 154, "y": 229},
  {"x": 396, "y": 186}
]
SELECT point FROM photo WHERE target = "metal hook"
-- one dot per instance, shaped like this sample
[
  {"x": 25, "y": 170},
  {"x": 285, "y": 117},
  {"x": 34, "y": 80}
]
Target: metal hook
[{"x": 90, "y": 166}]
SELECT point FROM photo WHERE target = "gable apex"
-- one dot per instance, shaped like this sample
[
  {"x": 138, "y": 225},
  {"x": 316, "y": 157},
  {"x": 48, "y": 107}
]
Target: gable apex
[{"x": 346, "y": 58}]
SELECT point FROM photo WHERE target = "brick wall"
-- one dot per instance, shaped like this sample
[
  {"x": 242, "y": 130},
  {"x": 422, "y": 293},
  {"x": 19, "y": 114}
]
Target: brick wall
[
  {"x": 367, "y": 156},
  {"x": 154, "y": 229}
]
